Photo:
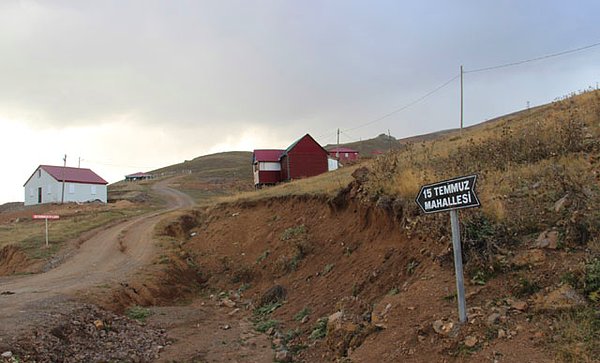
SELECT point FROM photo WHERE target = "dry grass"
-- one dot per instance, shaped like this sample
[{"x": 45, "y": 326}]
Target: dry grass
[
  {"x": 325, "y": 184},
  {"x": 29, "y": 234}
]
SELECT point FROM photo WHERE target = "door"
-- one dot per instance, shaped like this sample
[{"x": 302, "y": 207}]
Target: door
[{"x": 40, "y": 195}]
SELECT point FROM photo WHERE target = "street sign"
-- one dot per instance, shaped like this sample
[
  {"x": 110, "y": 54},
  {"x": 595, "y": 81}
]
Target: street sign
[
  {"x": 451, "y": 195},
  {"x": 45, "y": 216},
  {"x": 447, "y": 195}
]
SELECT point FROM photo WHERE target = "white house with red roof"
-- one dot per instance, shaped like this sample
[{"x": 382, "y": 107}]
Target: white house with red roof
[{"x": 48, "y": 183}]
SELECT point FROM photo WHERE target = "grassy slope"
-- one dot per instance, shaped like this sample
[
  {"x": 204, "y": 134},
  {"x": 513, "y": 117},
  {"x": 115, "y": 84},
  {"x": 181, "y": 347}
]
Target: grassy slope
[
  {"x": 367, "y": 147},
  {"x": 215, "y": 175}
]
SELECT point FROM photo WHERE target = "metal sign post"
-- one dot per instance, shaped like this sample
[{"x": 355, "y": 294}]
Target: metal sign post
[
  {"x": 451, "y": 195},
  {"x": 458, "y": 266},
  {"x": 46, "y": 217}
]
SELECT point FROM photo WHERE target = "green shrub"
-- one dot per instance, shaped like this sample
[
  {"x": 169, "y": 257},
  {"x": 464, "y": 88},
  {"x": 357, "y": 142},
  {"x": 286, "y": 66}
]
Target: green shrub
[
  {"x": 293, "y": 232},
  {"x": 592, "y": 280},
  {"x": 320, "y": 330},
  {"x": 139, "y": 313},
  {"x": 301, "y": 314}
]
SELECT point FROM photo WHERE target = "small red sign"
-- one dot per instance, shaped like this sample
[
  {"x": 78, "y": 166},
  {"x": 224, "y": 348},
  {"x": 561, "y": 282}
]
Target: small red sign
[{"x": 46, "y": 216}]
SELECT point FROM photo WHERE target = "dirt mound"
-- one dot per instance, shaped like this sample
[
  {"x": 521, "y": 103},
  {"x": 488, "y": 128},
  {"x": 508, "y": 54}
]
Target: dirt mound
[
  {"x": 180, "y": 226},
  {"x": 89, "y": 334},
  {"x": 13, "y": 260}
]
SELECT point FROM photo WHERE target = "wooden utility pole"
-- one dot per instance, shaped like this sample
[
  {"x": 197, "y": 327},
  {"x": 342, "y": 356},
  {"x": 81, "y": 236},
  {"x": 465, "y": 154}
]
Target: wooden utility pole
[
  {"x": 62, "y": 195},
  {"x": 461, "y": 98},
  {"x": 337, "y": 153}
]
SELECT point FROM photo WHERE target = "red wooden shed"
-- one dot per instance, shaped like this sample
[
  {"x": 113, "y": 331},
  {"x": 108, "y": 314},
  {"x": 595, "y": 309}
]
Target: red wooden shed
[
  {"x": 304, "y": 158},
  {"x": 344, "y": 154}
]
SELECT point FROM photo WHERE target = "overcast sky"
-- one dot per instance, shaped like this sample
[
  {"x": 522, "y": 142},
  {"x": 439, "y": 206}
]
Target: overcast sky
[{"x": 131, "y": 86}]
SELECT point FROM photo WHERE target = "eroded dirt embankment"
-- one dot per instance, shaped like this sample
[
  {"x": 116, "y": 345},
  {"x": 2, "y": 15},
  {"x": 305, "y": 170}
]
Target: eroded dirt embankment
[{"x": 356, "y": 258}]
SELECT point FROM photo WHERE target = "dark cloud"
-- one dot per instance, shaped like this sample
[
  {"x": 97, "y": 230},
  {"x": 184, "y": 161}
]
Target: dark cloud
[{"x": 306, "y": 65}]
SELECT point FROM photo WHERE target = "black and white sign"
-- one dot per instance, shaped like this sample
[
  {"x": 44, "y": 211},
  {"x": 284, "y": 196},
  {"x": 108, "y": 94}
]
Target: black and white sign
[{"x": 446, "y": 195}]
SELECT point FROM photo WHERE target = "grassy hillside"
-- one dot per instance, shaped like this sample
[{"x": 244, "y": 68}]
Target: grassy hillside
[
  {"x": 366, "y": 148},
  {"x": 226, "y": 164},
  {"x": 209, "y": 176}
]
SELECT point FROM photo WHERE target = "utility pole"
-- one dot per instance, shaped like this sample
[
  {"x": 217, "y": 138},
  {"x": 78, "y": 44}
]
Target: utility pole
[
  {"x": 62, "y": 196},
  {"x": 337, "y": 154},
  {"x": 79, "y": 163},
  {"x": 389, "y": 140},
  {"x": 461, "y": 98}
]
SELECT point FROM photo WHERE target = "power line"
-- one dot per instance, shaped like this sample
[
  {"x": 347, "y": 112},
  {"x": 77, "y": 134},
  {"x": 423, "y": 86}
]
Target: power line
[
  {"x": 533, "y": 59},
  {"x": 407, "y": 105}
]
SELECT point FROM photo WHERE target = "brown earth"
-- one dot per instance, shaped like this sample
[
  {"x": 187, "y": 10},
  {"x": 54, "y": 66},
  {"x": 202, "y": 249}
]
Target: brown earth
[{"x": 390, "y": 288}]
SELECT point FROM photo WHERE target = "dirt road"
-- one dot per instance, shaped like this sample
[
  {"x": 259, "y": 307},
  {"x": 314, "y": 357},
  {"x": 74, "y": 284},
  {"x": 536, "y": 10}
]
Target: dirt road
[{"x": 100, "y": 260}]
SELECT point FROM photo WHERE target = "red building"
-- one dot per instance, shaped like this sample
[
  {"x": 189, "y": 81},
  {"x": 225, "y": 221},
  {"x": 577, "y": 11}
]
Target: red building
[
  {"x": 344, "y": 154},
  {"x": 304, "y": 158},
  {"x": 266, "y": 166}
]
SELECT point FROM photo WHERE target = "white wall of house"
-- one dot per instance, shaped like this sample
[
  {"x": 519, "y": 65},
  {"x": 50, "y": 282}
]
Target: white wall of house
[
  {"x": 43, "y": 186},
  {"x": 332, "y": 164}
]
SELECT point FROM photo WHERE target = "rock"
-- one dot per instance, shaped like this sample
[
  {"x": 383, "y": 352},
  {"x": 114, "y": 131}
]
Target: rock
[
  {"x": 7, "y": 354},
  {"x": 335, "y": 319},
  {"x": 304, "y": 319},
  {"x": 529, "y": 257},
  {"x": 274, "y": 294},
  {"x": 501, "y": 334},
  {"x": 447, "y": 328},
  {"x": 519, "y": 305},
  {"x": 99, "y": 324},
  {"x": 565, "y": 297},
  {"x": 270, "y": 331},
  {"x": 561, "y": 203},
  {"x": 226, "y": 327},
  {"x": 232, "y": 312},
  {"x": 493, "y": 318},
  {"x": 229, "y": 303},
  {"x": 361, "y": 175},
  {"x": 471, "y": 341},
  {"x": 547, "y": 239},
  {"x": 283, "y": 356}
]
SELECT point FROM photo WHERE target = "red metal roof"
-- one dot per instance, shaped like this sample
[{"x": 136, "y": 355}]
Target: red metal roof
[
  {"x": 342, "y": 150},
  {"x": 73, "y": 175},
  {"x": 267, "y": 155}
]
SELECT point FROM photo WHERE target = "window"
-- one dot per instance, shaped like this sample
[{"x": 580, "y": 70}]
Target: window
[
  {"x": 345, "y": 154},
  {"x": 93, "y": 190},
  {"x": 71, "y": 188},
  {"x": 39, "y": 173}
]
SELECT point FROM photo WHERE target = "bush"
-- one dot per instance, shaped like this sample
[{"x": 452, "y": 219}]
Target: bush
[
  {"x": 592, "y": 280},
  {"x": 139, "y": 313}
]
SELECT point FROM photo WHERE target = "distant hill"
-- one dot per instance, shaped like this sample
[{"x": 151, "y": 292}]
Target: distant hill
[
  {"x": 226, "y": 164},
  {"x": 366, "y": 148},
  {"x": 214, "y": 175}
]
